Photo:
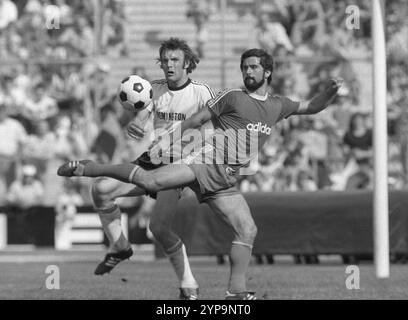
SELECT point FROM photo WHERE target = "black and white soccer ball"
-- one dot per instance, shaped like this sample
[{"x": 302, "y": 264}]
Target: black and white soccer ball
[{"x": 135, "y": 93}]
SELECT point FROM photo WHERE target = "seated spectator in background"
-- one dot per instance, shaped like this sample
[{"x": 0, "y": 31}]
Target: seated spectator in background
[
  {"x": 79, "y": 38},
  {"x": 107, "y": 141},
  {"x": 271, "y": 34},
  {"x": 60, "y": 11},
  {"x": 8, "y": 13},
  {"x": 40, "y": 106},
  {"x": 27, "y": 191},
  {"x": 66, "y": 209},
  {"x": 305, "y": 182},
  {"x": 358, "y": 142},
  {"x": 39, "y": 147},
  {"x": 24, "y": 197},
  {"x": 316, "y": 143},
  {"x": 200, "y": 12},
  {"x": 402, "y": 133},
  {"x": 113, "y": 30},
  {"x": 69, "y": 142},
  {"x": 309, "y": 24},
  {"x": 141, "y": 71},
  {"x": 33, "y": 6},
  {"x": 13, "y": 136}
]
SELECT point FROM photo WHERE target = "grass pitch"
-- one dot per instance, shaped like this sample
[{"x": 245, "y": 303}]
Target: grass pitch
[{"x": 24, "y": 277}]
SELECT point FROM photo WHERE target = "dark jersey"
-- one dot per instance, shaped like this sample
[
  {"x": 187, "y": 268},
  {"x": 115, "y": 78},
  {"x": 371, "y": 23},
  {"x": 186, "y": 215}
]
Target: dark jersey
[{"x": 243, "y": 122}]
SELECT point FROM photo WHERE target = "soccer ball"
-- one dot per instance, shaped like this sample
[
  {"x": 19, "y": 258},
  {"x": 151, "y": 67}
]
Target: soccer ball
[{"x": 135, "y": 93}]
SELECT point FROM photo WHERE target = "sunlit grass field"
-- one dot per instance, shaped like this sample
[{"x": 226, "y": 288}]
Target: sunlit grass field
[{"x": 25, "y": 276}]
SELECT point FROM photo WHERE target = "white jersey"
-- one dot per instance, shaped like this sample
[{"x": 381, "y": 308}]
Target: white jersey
[{"x": 172, "y": 106}]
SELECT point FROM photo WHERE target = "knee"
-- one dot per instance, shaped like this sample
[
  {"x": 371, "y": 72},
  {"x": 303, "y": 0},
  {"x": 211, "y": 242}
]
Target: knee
[
  {"x": 247, "y": 231},
  {"x": 101, "y": 192},
  {"x": 251, "y": 231},
  {"x": 159, "y": 228}
]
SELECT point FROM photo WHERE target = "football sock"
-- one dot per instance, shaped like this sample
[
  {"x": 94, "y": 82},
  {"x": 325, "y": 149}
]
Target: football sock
[
  {"x": 120, "y": 172},
  {"x": 111, "y": 223},
  {"x": 240, "y": 257},
  {"x": 178, "y": 258}
]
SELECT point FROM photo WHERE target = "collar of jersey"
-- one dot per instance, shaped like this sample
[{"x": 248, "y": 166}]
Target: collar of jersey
[
  {"x": 181, "y": 87},
  {"x": 257, "y": 96}
]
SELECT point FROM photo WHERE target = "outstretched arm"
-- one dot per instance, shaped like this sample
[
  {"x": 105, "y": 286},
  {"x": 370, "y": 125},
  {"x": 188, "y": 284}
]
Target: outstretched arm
[
  {"x": 195, "y": 121},
  {"x": 320, "y": 101}
]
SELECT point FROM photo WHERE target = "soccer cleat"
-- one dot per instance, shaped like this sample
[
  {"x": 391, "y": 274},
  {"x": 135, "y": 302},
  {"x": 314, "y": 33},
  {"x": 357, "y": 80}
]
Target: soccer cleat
[
  {"x": 247, "y": 295},
  {"x": 188, "y": 294},
  {"x": 111, "y": 260},
  {"x": 72, "y": 168}
]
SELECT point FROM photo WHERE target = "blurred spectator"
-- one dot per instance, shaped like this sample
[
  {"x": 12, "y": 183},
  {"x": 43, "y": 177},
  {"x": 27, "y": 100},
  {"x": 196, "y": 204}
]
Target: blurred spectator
[
  {"x": 402, "y": 133},
  {"x": 39, "y": 147},
  {"x": 315, "y": 142},
  {"x": 69, "y": 143},
  {"x": 39, "y": 105},
  {"x": 271, "y": 34},
  {"x": 28, "y": 191},
  {"x": 305, "y": 182},
  {"x": 78, "y": 38},
  {"x": 141, "y": 71},
  {"x": 24, "y": 197},
  {"x": 8, "y": 13},
  {"x": 113, "y": 30},
  {"x": 200, "y": 12},
  {"x": 13, "y": 136},
  {"x": 358, "y": 142},
  {"x": 66, "y": 209},
  {"x": 309, "y": 23}
]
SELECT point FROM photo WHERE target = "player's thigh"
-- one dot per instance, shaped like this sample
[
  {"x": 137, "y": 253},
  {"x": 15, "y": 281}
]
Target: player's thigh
[
  {"x": 110, "y": 188},
  {"x": 234, "y": 210},
  {"x": 165, "y": 208},
  {"x": 172, "y": 176}
]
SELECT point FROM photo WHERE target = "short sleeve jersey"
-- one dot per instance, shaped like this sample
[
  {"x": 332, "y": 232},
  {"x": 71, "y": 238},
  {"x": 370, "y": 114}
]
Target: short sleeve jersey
[
  {"x": 172, "y": 106},
  {"x": 243, "y": 122}
]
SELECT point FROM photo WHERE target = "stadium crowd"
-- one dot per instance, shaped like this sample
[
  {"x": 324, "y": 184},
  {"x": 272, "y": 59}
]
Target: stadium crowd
[
  {"x": 58, "y": 29},
  {"x": 50, "y": 112},
  {"x": 333, "y": 150}
]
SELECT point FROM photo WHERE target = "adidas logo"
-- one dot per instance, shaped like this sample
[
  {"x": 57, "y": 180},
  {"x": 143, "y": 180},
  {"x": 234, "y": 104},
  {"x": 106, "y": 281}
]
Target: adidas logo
[{"x": 263, "y": 128}]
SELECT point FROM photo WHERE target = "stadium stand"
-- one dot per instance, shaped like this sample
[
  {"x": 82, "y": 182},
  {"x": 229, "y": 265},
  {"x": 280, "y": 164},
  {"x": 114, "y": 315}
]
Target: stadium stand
[{"x": 56, "y": 85}]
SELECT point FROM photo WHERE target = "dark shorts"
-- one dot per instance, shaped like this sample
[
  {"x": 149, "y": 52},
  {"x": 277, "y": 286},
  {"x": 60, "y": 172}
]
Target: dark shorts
[
  {"x": 145, "y": 163},
  {"x": 212, "y": 180}
]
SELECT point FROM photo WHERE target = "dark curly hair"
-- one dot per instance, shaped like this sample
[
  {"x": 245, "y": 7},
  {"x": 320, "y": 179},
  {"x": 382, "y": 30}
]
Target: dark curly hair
[
  {"x": 266, "y": 59},
  {"x": 179, "y": 44}
]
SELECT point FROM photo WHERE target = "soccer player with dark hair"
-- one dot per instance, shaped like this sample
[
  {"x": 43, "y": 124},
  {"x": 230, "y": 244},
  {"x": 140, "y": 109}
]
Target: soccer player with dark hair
[
  {"x": 175, "y": 99},
  {"x": 244, "y": 118}
]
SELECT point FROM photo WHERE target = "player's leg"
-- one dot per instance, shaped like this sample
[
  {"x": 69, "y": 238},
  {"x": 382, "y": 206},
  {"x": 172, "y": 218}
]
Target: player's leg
[
  {"x": 164, "y": 178},
  {"x": 160, "y": 225},
  {"x": 104, "y": 191},
  {"x": 234, "y": 209}
]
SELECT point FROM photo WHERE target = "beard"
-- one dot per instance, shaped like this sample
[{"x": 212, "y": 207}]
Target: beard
[{"x": 252, "y": 85}]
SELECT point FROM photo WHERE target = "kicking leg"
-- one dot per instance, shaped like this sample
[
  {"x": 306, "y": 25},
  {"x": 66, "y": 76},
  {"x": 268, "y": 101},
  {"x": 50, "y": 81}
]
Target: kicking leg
[
  {"x": 234, "y": 209},
  {"x": 104, "y": 191},
  {"x": 171, "y": 176},
  {"x": 160, "y": 225}
]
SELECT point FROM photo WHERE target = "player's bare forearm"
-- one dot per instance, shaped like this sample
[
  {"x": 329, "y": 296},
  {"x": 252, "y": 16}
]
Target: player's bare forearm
[
  {"x": 196, "y": 120},
  {"x": 321, "y": 100}
]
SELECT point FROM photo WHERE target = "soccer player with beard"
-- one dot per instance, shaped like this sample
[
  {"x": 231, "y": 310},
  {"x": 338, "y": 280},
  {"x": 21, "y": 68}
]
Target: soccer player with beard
[
  {"x": 242, "y": 117},
  {"x": 175, "y": 99}
]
